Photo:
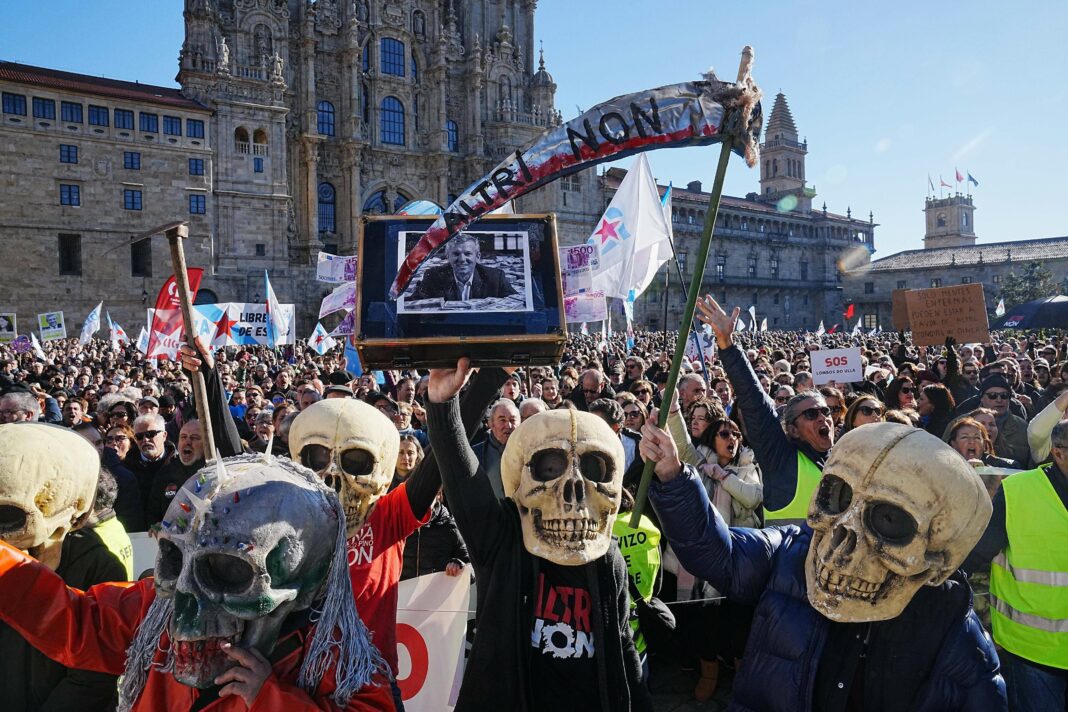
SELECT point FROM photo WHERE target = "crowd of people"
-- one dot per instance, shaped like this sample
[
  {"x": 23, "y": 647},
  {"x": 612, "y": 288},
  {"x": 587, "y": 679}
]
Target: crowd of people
[{"x": 751, "y": 444}]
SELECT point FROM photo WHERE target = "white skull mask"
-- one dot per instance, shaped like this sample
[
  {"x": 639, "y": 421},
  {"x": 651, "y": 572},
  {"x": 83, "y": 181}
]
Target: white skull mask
[
  {"x": 48, "y": 478},
  {"x": 564, "y": 469},
  {"x": 353, "y": 447},
  {"x": 896, "y": 509},
  {"x": 238, "y": 556}
]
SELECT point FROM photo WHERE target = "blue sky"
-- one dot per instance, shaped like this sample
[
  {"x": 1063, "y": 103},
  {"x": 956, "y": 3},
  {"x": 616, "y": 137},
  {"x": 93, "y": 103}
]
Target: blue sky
[{"x": 885, "y": 93}]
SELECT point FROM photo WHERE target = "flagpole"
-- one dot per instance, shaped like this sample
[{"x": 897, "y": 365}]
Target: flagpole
[
  {"x": 691, "y": 303},
  {"x": 693, "y": 327}
]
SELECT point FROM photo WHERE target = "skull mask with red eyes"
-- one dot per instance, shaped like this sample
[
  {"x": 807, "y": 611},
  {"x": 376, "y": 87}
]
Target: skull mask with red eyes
[
  {"x": 353, "y": 447},
  {"x": 564, "y": 470}
]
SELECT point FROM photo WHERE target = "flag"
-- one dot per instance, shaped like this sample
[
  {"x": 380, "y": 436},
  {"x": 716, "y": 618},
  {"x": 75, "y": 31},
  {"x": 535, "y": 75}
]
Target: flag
[
  {"x": 506, "y": 209},
  {"x": 277, "y": 327},
  {"x": 352, "y": 359},
  {"x": 142, "y": 341},
  {"x": 873, "y": 330},
  {"x": 320, "y": 342},
  {"x": 856, "y": 329},
  {"x": 584, "y": 330},
  {"x": 960, "y": 178},
  {"x": 942, "y": 183},
  {"x": 739, "y": 325},
  {"x": 764, "y": 324},
  {"x": 665, "y": 202},
  {"x": 632, "y": 235},
  {"x": 167, "y": 317},
  {"x": 1000, "y": 310},
  {"x": 832, "y": 329},
  {"x": 37, "y": 350},
  {"x": 686, "y": 114},
  {"x": 930, "y": 183},
  {"x": 820, "y": 331},
  {"x": 849, "y": 311},
  {"x": 973, "y": 180},
  {"x": 752, "y": 315},
  {"x": 116, "y": 333},
  {"x": 628, "y": 312},
  {"x": 91, "y": 325}
]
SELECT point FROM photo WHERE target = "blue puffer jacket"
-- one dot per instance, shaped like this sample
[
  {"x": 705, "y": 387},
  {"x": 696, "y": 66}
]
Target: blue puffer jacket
[{"x": 934, "y": 656}]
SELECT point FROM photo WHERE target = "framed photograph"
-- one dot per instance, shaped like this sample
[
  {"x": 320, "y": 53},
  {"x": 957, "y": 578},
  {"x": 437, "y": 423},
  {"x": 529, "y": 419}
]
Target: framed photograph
[
  {"x": 8, "y": 327},
  {"x": 477, "y": 270},
  {"x": 492, "y": 293}
]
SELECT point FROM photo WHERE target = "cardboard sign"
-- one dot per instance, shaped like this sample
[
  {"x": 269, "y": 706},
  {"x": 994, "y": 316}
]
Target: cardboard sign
[
  {"x": 899, "y": 310},
  {"x": 958, "y": 311},
  {"x": 840, "y": 365},
  {"x": 52, "y": 326}
]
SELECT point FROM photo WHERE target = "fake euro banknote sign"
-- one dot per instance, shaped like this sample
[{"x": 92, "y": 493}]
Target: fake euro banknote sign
[{"x": 689, "y": 114}]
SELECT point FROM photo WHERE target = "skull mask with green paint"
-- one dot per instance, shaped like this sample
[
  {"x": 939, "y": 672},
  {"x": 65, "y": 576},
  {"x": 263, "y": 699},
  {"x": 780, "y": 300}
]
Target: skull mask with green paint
[{"x": 238, "y": 557}]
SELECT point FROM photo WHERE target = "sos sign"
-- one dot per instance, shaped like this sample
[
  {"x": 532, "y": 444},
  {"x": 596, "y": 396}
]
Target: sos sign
[{"x": 840, "y": 365}]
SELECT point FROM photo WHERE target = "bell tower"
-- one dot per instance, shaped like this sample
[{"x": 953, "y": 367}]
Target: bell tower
[
  {"x": 782, "y": 159},
  {"x": 950, "y": 222}
]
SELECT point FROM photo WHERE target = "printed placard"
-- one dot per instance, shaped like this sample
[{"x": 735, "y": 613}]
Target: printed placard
[
  {"x": 52, "y": 326},
  {"x": 840, "y": 365},
  {"x": 335, "y": 269},
  {"x": 8, "y": 327},
  {"x": 577, "y": 265},
  {"x": 958, "y": 311},
  {"x": 587, "y": 306}
]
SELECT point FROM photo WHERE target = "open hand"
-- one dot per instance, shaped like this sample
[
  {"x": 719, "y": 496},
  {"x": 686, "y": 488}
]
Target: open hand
[
  {"x": 447, "y": 382},
  {"x": 710, "y": 312},
  {"x": 247, "y": 677}
]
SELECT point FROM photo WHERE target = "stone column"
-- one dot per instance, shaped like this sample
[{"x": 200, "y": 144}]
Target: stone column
[
  {"x": 354, "y": 189},
  {"x": 311, "y": 197}
]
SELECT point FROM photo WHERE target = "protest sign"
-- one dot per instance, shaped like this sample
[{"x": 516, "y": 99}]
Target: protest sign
[
  {"x": 145, "y": 547},
  {"x": 22, "y": 345},
  {"x": 958, "y": 311},
  {"x": 343, "y": 297},
  {"x": 577, "y": 265},
  {"x": 706, "y": 347},
  {"x": 52, "y": 326},
  {"x": 899, "y": 310},
  {"x": 224, "y": 324},
  {"x": 334, "y": 269},
  {"x": 839, "y": 365},
  {"x": 431, "y": 625},
  {"x": 587, "y": 306},
  {"x": 8, "y": 327}
]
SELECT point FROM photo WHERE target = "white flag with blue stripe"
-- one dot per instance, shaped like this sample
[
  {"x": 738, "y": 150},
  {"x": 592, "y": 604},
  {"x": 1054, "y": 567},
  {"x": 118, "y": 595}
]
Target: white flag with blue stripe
[{"x": 92, "y": 324}]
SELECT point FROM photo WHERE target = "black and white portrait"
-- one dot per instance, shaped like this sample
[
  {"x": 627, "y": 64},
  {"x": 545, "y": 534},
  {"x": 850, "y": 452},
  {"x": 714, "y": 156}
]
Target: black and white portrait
[
  {"x": 475, "y": 271},
  {"x": 7, "y": 327}
]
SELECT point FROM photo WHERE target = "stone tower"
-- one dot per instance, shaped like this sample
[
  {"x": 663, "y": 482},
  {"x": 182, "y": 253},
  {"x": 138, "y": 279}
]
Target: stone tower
[
  {"x": 950, "y": 222},
  {"x": 782, "y": 167}
]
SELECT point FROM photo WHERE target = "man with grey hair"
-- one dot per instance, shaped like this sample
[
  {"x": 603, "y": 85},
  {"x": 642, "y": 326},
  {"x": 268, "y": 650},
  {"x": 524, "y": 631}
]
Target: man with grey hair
[
  {"x": 464, "y": 278},
  {"x": 504, "y": 418},
  {"x": 19, "y": 407},
  {"x": 591, "y": 385},
  {"x": 692, "y": 387},
  {"x": 152, "y": 454},
  {"x": 531, "y": 407}
]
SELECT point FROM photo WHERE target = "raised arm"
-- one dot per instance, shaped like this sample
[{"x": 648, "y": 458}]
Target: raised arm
[
  {"x": 1041, "y": 427},
  {"x": 224, "y": 430}
]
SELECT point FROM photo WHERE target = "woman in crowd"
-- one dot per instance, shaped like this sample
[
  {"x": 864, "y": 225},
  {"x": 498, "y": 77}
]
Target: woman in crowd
[
  {"x": 634, "y": 415},
  {"x": 409, "y": 456},
  {"x": 901, "y": 394},
  {"x": 698, "y": 417},
  {"x": 836, "y": 402},
  {"x": 865, "y": 409},
  {"x": 935, "y": 406},
  {"x": 118, "y": 441},
  {"x": 986, "y": 418}
]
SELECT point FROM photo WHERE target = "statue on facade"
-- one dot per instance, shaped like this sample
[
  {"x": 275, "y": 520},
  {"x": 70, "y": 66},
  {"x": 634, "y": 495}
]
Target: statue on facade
[
  {"x": 276, "y": 73},
  {"x": 224, "y": 56}
]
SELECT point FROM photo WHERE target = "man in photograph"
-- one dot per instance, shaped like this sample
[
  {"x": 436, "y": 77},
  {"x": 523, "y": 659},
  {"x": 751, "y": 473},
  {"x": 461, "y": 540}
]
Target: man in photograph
[{"x": 464, "y": 278}]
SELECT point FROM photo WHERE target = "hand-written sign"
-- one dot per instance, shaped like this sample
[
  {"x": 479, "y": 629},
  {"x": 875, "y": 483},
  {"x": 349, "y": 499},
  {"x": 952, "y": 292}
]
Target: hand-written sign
[
  {"x": 958, "y": 311},
  {"x": 839, "y": 365},
  {"x": 899, "y": 310}
]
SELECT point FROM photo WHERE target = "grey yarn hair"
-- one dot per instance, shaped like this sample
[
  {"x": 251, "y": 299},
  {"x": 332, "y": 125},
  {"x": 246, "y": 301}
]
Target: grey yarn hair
[{"x": 337, "y": 625}]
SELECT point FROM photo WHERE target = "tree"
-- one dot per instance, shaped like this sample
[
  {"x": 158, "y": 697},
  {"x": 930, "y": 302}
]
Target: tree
[{"x": 1033, "y": 282}]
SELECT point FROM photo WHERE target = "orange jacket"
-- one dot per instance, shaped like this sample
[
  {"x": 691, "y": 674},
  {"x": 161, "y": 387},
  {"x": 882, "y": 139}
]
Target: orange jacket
[{"x": 91, "y": 630}]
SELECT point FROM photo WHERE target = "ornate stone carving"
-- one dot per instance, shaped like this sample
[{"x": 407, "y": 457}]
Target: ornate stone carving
[{"x": 327, "y": 16}]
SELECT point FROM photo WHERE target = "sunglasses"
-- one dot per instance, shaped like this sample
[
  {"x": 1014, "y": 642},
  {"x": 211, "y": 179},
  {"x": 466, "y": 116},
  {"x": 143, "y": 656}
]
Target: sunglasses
[
  {"x": 147, "y": 434},
  {"x": 870, "y": 410},
  {"x": 728, "y": 434},
  {"x": 781, "y": 399},
  {"x": 119, "y": 414},
  {"x": 997, "y": 396},
  {"x": 631, "y": 413},
  {"x": 815, "y": 412},
  {"x": 969, "y": 373},
  {"x": 908, "y": 389},
  {"x": 643, "y": 392}
]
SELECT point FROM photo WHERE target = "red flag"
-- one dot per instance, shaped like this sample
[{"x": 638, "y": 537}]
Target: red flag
[
  {"x": 942, "y": 183},
  {"x": 832, "y": 329},
  {"x": 167, "y": 319},
  {"x": 849, "y": 312},
  {"x": 960, "y": 178}
]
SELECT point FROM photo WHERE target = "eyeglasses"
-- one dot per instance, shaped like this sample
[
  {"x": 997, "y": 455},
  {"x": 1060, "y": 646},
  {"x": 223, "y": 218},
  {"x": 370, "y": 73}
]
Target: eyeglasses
[
  {"x": 115, "y": 439},
  {"x": 643, "y": 392},
  {"x": 631, "y": 413},
  {"x": 119, "y": 414},
  {"x": 967, "y": 372},
  {"x": 147, "y": 434},
  {"x": 1000, "y": 395},
  {"x": 729, "y": 435},
  {"x": 815, "y": 412},
  {"x": 782, "y": 399},
  {"x": 870, "y": 410}
]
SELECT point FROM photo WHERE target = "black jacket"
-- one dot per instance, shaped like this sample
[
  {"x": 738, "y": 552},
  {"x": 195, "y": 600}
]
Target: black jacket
[
  {"x": 430, "y": 547},
  {"x": 485, "y": 282},
  {"x": 498, "y": 672},
  {"x": 34, "y": 683}
]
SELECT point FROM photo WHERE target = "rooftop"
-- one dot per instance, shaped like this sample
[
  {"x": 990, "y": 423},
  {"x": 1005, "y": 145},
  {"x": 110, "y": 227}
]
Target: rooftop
[
  {"x": 781, "y": 121},
  {"x": 99, "y": 86},
  {"x": 992, "y": 253}
]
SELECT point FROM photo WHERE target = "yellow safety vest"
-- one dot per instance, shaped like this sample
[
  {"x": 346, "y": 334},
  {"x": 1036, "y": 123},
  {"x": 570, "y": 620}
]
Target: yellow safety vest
[
  {"x": 808, "y": 479},
  {"x": 115, "y": 538},
  {"x": 1029, "y": 579},
  {"x": 641, "y": 550}
]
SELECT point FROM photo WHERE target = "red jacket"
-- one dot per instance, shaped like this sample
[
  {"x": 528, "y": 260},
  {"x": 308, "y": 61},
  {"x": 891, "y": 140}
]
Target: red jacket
[{"x": 92, "y": 631}]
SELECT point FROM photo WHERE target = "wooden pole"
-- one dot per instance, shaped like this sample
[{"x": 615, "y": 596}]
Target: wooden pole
[{"x": 175, "y": 235}]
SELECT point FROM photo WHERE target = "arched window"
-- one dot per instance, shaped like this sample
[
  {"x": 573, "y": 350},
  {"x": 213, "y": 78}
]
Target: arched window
[
  {"x": 326, "y": 118},
  {"x": 506, "y": 88},
  {"x": 262, "y": 44},
  {"x": 326, "y": 208},
  {"x": 365, "y": 59},
  {"x": 964, "y": 219},
  {"x": 241, "y": 142},
  {"x": 376, "y": 203},
  {"x": 259, "y": 144},
  {"x": 941, "y": 220},
  {"x": 419, "y": 23},
  {"x": 453, "y": 132},
  {"x": 392, "y": 121},
  {"x": 392, "y": 57}
]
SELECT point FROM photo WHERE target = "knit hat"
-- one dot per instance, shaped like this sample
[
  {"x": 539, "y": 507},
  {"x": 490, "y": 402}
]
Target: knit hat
[{"x": 994, "y": 381}]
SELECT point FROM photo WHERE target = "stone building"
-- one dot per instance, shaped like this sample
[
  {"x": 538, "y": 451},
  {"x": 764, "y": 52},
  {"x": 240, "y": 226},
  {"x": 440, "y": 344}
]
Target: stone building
[
  {"x": 950, "y": 256},
  {"x": 90, "y": 162},
  {"x": 311, "y": 114},
  {"x": 770, "y": 249}
]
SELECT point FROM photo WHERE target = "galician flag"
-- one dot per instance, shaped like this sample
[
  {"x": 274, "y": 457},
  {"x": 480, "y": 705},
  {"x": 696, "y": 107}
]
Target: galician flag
[
  {"x": 856, "y": 329},
  {"x": 628, "y": 312},
  {"x": 872, "y": 332},
  {"x": 1000, "y": 310},
  {"x": 739, "y": 325},
  {"x": 277, "y": 326},
  {"x": 116, "y": 333},
  {"x": 752, "y": 315},
  {"x": 37, "y": 350},
  {"x": 320, "y": 341},
  {"x": 142, "y": 341},
  {"x": 92, "y": 324},
  {"x": 821, "y": 331},
  {"x": 632, "y": 235},
  {"x": 764, "y": 324}
]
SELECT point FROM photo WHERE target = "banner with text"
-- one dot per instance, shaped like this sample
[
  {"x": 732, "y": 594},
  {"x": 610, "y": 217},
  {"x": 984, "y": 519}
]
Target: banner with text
[
  {"x": 52, "y": 326},
  {"x": 838, "y": 365},
  {"x": 224, "y": 324},
  {"x": 958, "y": 311}
]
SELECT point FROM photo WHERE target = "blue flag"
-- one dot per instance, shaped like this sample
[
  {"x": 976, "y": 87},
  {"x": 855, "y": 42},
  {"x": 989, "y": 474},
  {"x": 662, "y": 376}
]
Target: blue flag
[
  {"x": 973, "y": 180},
  {"x": 352, "y": 359}
]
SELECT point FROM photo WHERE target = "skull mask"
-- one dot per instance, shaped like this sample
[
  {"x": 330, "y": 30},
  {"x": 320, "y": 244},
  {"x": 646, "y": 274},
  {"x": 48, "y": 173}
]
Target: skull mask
[
  {"x": 353, "y": 447},
  {"x": 564, "y": 469},
  {"x": 48, "y": 480},
  {"x": 238, "y": 553},
  {"x": 896, "y": 509}
]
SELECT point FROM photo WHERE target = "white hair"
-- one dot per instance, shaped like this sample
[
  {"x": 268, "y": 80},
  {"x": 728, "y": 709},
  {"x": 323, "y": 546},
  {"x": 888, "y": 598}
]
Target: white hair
[{"x": 154, "y": 421}]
